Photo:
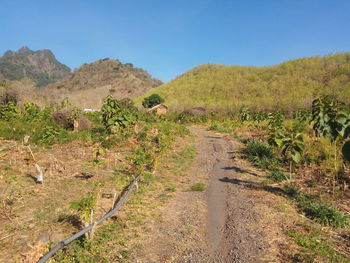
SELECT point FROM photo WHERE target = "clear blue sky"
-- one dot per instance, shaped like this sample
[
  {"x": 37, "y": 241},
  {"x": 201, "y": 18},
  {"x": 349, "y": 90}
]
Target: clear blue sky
[{"x": 168, "y": 37}]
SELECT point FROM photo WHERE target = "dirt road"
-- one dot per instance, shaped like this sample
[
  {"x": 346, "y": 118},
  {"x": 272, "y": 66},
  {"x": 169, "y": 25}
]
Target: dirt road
[{"x": 229, "y": 222}]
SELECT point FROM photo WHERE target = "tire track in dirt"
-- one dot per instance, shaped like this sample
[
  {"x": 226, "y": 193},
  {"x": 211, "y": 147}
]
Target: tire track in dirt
[{"x": 222, "y": 224}]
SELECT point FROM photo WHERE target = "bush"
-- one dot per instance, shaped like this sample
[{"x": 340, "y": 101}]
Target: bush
[
  {"x": 117, "y": 116},
  {"x": 8, "y": 112},
  {"x": 152, "y": 101},
  {"x": 258, "y": 151}
]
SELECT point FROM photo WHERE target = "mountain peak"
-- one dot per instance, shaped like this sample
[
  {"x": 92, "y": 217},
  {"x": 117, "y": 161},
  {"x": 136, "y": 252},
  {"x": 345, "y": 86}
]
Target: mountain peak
[
  {"x": 41, "y": 66},
  {"x": 24, "y": 49}
]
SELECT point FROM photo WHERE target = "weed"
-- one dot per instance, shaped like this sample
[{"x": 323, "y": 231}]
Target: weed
[
  {"x": 218, "y": 128},
  {"x": 314, "y": 248},
  {"x": 261, "y": 153},
  {"x": 148, "y": 177},
  {"x": 198, "y": 187},
  {"x": 277, "y": 176},
  {"x": 321, "y": 213},
  {"x": 171, "y": 188},
  {"x": 316, "y": 210}
]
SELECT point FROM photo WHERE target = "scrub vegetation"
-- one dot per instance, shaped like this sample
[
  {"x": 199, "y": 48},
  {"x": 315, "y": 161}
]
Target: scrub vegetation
[{"x": 290, "y": 86}]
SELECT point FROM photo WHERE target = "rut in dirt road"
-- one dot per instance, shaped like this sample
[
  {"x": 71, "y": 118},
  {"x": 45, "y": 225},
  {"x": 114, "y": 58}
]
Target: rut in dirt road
[
  {"x": 232, "y": 234},
  {"x": 220, "y": 224}
]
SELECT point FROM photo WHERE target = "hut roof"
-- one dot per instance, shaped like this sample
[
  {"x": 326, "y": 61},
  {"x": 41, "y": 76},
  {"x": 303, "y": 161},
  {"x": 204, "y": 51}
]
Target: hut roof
[{"x": 158, "y": 106}]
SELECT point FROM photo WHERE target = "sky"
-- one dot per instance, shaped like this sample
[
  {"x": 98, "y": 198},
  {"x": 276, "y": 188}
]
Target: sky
[{"x": 169, "y": 37}]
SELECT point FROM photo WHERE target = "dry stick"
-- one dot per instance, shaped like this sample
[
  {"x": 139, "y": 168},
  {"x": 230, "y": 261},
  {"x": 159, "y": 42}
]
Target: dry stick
[
  {"x": 39, "y": 178},
  {"x": 7, "y": 236},
  {"x": 30, "y": 150},
  {"x": 113, "y": 201}
]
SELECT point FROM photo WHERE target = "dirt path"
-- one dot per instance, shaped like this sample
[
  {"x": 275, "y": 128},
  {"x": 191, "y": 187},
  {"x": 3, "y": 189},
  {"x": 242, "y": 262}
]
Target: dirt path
[{"x": 229, "y": 222}]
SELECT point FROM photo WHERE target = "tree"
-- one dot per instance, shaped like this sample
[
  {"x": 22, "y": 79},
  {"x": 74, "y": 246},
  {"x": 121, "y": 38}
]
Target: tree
[{"x": 152, "y": 101}]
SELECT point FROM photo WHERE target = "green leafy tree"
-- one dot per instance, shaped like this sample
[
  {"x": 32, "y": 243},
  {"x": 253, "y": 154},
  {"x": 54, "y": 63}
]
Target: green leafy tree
[{"x": 152, "y": 101}]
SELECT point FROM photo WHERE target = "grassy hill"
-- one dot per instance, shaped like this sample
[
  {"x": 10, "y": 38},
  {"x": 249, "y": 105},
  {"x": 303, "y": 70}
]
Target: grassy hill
[{"x": 289, "y": 85}]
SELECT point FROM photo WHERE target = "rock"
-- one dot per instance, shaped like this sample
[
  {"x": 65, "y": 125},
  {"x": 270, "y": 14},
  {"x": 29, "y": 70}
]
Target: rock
[
  {"x": 61, "y": 117},
  {"x": 198, "y": 111}
]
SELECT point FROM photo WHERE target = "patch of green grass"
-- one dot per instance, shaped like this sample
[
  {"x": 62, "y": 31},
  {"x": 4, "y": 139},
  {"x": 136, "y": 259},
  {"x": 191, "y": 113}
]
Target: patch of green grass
[
  {"x": 218, "y": 128},
  {"x": 316, "y": 210},
  {"x": 171, "y": 188},
  {"x": 240, "y": 138},
  {"x": 261, "y": 154},
  {"x": 198, "y": 187},
  {"x": 277, "y": 176},
  {"x": 315, "y": 249}
]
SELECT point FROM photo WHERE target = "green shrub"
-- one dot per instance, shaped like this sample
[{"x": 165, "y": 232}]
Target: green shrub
[
  {"x": 152, "y": 101},
  {"x": 261, "y": 153},
  {"x": 330, "y": 118},
  {"x": 115, "y": 117},
  {"x": 31, "y": 111},
  {"x": 8, "y": 112},
  {"x": 244, "y": 114}
]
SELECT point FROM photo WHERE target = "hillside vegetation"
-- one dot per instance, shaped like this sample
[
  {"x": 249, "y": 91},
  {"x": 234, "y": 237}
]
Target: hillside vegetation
[
  {"x": 86, "y": 86},
  {"x": 290, "y": 85}
]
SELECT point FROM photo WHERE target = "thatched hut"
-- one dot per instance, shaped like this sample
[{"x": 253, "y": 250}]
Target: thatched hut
[{"x": 159, "y": 109}]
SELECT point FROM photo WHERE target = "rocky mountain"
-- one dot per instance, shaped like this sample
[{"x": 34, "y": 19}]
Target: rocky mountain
[
  {"x": 90, "y": 83},
  {"x": 40, "y": 66},
  {"x": 122, "y": 80}
]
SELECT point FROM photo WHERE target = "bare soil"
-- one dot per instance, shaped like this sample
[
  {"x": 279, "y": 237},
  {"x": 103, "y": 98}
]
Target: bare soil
[{"x": 235, "y": 219}]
